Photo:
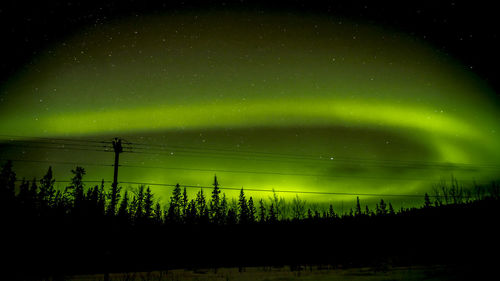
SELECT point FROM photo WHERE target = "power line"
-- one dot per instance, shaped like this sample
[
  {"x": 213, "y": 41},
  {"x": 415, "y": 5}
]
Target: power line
[
  {"x": 55, "y": 139},
  {"x": 188, "y": 149},
  {"x": 280, "y": 191},
  {"x": 271, "y": 173}
]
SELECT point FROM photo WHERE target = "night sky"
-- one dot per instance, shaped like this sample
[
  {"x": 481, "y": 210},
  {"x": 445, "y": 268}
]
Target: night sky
[{"x": 303, "y": 96}]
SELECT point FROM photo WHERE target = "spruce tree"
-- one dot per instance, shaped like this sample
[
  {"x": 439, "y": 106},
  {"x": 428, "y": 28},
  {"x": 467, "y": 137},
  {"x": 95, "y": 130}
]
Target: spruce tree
[
  {"x": 262, "y": 211},
  {"x": 215, "y": 214},
  {"x": 272, "y": 214},
  {"x": 7, "y": 182},
  {"x": 123, "y": 210},
  {"x": 174, "y": 210},
  {"x": 251, "y": 210},
  {"x": 148, "y": 204},
  {"x": 427, "y": 201},
  {"x": 358, "y": 207},
  {"x": 243, "y": 208},
  {"x": 47, "y": 191}
]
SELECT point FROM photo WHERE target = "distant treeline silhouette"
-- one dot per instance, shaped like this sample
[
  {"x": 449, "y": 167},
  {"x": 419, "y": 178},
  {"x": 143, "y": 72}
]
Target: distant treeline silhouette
[{"x": 78, "y": 229}]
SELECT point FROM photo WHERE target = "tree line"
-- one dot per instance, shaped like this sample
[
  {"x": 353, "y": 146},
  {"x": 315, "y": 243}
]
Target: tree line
[
  {"x": 49, "y": 231},
  {"x": 41, "y": 198}
]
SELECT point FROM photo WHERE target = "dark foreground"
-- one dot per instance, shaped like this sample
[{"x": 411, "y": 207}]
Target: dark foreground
[
  {"x": 441, "y": 273},
  {"x": 462, "y": 237}
]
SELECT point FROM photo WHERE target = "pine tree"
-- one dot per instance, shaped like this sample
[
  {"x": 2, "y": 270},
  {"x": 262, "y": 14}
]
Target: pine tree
[
  {"x": 174, "y": 210},
  {"x": 358, "y": 207},
  {"x": 7, "y": 182},
  {"x": 201, "y": 206},
  {"x": 223, "y": 209},
  {"x": 47, "y": 191},
  {"x": 427, "y": 201},
  {"x": 331, "y": 213},
  {"x": 114, "y": 197},
  {"x": 262, "y": 211},
  {"x": 231, "y": 216},
  {"x": 123, "y": 210},
  {"x": 243, "y": 208},
  {"x": 215, "y": 214},
  {"x": 391, "y": 210},
  {"x": 148, "y": 204},
  {"x": 383, "y": 207},
  {"x": 185, "y": 202},
  {"x": 77, "y": 189},
  {"x": 251, "y": 210},
  {"x": 157, "y": 214},
  {"x": 139, "y": 204},
  {"x": 272, "y": 214}
]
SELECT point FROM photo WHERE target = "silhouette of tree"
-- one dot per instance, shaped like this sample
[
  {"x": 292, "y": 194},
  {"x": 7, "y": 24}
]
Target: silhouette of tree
[
  {"x": 331, "y": 213},
  {"x": 223, "y": 209},
  {"x": 201, "y": 206},
  {"x": 158, "y": 214},
  {"x": 427, "y": 201},
  {"x": 382, "y": 208},
  {"x": 7, "y": 181},
  {"x": 262, "y": 211},
  {"x": 244, "y": 215},
  {"x": 367, "y": 210},
  {"x": 298, "y": 208},
  {"x": 231, "y": 216},
  {"x": 174, "y": 210},
  {"x": 191, "y": 212},
  {"x": 123, "y": 210},
  {"x": 185, "y": 202},
  {"x": 47, "y": 191},
  {"x": 358, "y": 207},
  {"x": 215, "y": 212},
  {"x": 114, "y": 197},
  {"x": 148, "y": 204},
  {"x": 272, "y": 214},
  {"x": 77, "y": 189},
  {"x": 138, "y": 204},
  {"x": 251, "y": 210},
  {"x": 391, "y": 210}
]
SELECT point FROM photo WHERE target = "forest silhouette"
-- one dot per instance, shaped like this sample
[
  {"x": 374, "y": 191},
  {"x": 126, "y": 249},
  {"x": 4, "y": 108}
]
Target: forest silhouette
[{"x": 51, "y": 232}]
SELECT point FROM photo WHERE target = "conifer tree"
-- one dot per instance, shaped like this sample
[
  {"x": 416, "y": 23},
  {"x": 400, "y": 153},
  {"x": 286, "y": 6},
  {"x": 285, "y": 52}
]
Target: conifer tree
[
  {"x": 201, "y": 206},
  {"x": 174, "y": 210},
  {"x": 223, "y": 208},
  {"x": 139, "y": 204},
  {"x": 123, "y": 210},
  {"x": 251, "y": 210},
  {"x": 358, "y": 207},
  {"x": 77, "y": 189},
  {"x": 331, "y": 213},
  {"x": 262, "y": 211},
  {"x": 427, "y": 201},
  {"x": 215, "y": 214},
  {"x": 148, "y": 204},
  {"x": 383, "y": 207},
  {"x": 114, "y": 197},
  {"x": 157, "y": 214},
  {"x": 391, "y": 210},
  {"x": 243, "y": 208},
  {"x": 47, "y": 192},
  {"x": 272, "y": 214},
  {"x": 185, "y": 202},
  {"x": 7, "y": 182}
]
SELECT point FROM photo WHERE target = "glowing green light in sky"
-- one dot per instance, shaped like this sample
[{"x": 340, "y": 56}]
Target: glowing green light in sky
[{"x": 272, "y": 83}]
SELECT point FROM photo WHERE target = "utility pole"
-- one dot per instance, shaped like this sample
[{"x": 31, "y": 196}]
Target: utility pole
[{"x": 117, "y": 147}]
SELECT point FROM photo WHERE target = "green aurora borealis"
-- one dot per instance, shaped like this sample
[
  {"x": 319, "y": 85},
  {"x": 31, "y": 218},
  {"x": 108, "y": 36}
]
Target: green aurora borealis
[{"x": 332, "y": 105}]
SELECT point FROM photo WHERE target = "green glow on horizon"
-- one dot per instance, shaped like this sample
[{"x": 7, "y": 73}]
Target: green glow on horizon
[{"x": 274, "y": 83}]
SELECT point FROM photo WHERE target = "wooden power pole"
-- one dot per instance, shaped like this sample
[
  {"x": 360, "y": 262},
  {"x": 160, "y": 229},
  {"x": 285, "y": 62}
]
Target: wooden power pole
[{"x": 117, "y": 147}]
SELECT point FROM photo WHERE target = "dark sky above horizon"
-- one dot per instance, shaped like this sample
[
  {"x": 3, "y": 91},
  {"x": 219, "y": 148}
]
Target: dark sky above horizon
[{"x": 307, "y": 96}]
